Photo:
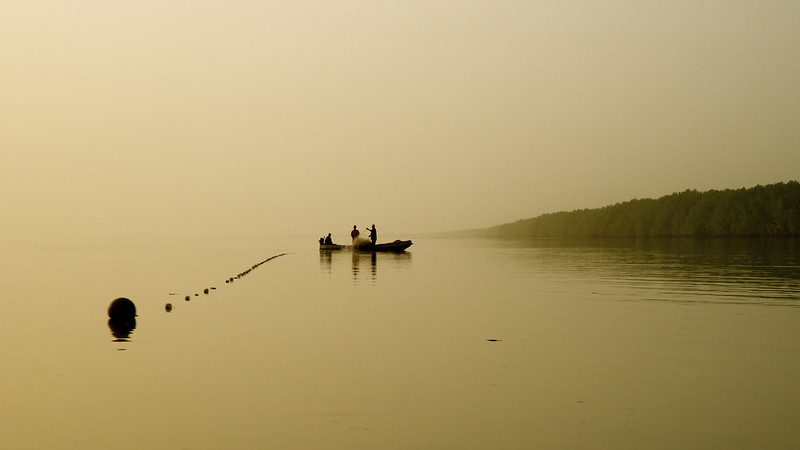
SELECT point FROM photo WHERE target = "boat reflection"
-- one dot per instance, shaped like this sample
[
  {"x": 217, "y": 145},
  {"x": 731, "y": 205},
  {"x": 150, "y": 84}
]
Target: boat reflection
[
  {"x": 362, "y": 264},
  {"x": 326, "y": 259},
  {"x": 373, "y": 265}
]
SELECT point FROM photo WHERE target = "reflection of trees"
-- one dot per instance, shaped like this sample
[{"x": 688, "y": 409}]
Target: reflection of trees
[
  {"x": 772, "y": 210},
  {"x": 740, "y": 270},
  {"x": 728, "y": 260}
]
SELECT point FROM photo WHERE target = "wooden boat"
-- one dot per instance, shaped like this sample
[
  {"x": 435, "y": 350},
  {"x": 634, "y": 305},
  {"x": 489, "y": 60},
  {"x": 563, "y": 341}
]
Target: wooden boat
[
  {"x": 329, "y": 247},
  {"x": 396, "y": 246}
]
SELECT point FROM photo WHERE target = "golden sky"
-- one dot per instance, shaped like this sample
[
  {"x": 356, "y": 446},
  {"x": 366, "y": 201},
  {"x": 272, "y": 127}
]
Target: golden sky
[{"x": 163, "y": 117}]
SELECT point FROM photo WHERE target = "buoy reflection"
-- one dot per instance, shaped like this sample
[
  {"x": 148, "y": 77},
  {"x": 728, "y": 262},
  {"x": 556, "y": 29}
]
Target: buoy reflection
[{"x": 121, "y": 329}]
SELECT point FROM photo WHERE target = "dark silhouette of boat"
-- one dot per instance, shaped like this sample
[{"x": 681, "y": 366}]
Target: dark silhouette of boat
[
  {"x": 333, "y": 247},
  {"x": 396, "y": 246}
]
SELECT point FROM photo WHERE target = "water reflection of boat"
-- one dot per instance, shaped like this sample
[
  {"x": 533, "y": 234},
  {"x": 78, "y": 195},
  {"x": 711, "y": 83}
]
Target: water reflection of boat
[{"x": 396, "y": 246}]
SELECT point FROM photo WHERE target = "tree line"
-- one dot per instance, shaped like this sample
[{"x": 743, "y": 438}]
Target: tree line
[{"x": 772, "y": 210}]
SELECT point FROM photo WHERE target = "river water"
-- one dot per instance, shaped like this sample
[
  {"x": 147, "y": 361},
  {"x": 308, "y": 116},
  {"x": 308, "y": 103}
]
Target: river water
[{"x": 456, "y": 344}]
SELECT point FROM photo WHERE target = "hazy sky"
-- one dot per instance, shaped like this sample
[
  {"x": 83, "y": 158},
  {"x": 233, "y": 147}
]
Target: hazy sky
[{"x": 161, "y": 117}]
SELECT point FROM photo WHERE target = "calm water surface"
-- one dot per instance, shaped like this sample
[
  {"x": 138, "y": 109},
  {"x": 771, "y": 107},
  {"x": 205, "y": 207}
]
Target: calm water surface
[{"x": 657, "y": 344}]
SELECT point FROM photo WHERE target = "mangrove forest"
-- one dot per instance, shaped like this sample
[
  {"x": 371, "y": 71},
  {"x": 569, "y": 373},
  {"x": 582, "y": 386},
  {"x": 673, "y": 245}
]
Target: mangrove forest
[{"x": 771, "y": 210}]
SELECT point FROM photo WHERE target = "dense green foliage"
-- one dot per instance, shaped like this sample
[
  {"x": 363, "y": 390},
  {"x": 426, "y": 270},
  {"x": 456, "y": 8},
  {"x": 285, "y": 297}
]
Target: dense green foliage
[{"x": 772, "y": 210}]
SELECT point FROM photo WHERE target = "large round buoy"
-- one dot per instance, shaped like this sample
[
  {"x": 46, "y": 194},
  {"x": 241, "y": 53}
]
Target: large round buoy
[{"x": 122, "y": 309}]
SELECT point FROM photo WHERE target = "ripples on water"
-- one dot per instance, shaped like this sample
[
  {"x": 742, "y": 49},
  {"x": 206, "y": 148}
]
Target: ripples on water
[{"x": 747, "y": 271}]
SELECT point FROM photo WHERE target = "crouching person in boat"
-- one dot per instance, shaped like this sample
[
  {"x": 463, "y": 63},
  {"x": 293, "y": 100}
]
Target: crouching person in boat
[{"x": 328, "y": 240}]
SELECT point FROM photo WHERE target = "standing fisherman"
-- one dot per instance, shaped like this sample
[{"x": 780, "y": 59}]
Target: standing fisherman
[
  {"x": 354, "y": 234},
  {"x": 373, "y": 234}
]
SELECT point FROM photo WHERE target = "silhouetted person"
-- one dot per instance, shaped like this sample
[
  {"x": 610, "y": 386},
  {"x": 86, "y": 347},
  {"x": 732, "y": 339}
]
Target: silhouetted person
[
  {"x": 354, "y": 234},
  {"x": 321, "y": 241},
  {"x": 373, "y": 234},
  {"x": 328, "y": 239}
]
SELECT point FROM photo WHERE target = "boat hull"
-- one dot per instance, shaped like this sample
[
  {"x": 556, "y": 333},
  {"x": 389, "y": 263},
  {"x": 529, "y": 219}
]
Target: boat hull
[
  {"x": 396, "y": 246},
  {"x": 332, "y": 247}
]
